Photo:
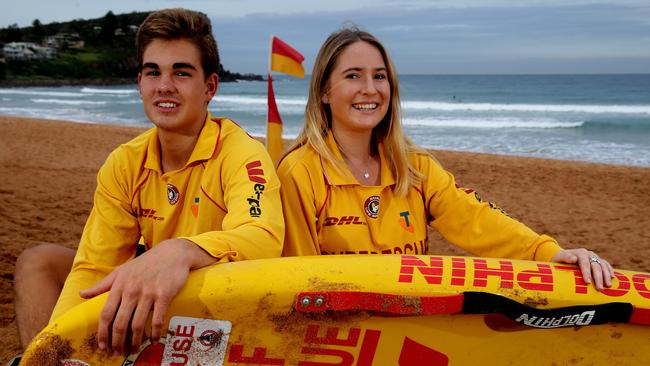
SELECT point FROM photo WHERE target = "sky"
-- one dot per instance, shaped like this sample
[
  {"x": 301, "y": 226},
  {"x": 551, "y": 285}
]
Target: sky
[{"x": 422, "y": 37}]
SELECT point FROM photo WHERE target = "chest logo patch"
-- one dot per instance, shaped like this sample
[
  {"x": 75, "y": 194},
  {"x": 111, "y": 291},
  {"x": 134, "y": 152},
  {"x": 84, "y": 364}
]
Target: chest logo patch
[
  {"x": 372, "y": 206},
  {"x": 195, "y": 207},
  {"x": 172, "y": 194},
  {"x": 405, "y": 223}
]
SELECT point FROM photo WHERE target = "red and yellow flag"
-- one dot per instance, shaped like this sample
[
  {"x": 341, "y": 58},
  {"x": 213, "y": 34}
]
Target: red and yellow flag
[
  {"x": 274, "y": 143},
  {"x": 285, "y": 59}
]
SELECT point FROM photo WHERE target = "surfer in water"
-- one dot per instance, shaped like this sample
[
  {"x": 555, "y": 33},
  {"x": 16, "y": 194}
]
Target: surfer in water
[
  {"x": 195, "y": 190},
  {"x": 353, "y": 183}
]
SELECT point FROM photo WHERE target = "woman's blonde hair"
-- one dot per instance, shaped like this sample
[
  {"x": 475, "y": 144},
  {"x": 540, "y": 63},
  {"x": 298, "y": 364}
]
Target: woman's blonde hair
[{"x": 318, "y": 116}]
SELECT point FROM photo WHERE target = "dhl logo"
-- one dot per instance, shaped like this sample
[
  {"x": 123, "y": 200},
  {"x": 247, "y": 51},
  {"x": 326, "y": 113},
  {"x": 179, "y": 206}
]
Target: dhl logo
[
  {"x": 343, "y": 220},
  {"x": 149, "y": 213},
  {"x": 255, "y": 172}
]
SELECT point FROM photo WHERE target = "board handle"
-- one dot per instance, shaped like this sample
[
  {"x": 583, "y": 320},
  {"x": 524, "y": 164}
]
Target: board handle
[
  {"x": 469, "y": 303},
  {"x": 316, "y": 302}
]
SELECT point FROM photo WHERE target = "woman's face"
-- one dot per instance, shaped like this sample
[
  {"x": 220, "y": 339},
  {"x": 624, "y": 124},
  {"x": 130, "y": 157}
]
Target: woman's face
[{"x": 358, "y": 90}]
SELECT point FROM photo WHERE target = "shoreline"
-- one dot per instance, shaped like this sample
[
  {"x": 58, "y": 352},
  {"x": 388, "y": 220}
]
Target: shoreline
[
  {"x": 49, "y": 167},
  {"x": 286, "y": 141},
  {"x": 26, "y": 83}
]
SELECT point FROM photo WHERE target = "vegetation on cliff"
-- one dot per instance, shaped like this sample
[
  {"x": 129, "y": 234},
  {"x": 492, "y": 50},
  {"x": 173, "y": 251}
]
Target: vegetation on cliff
[{"x": 97, "y": 51}]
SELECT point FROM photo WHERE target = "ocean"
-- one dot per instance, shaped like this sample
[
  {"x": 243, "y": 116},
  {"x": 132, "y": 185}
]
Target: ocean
[{"x": 594, "y": 118}]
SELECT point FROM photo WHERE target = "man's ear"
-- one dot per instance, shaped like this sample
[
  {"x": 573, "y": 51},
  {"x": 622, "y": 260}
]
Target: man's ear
[
  {"x": 212, "y": 84},
  {"x": 139, "y": 84}
]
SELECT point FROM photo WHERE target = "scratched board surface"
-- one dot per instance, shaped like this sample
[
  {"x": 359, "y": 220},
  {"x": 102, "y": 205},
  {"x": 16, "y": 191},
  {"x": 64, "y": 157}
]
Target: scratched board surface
[{"x": 379, "y": 310}]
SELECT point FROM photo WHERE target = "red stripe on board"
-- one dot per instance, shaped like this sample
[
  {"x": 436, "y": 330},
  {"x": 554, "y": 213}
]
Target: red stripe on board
[
  {"x": 640, "y": 316},
  {"x": 309, "y": 302}
]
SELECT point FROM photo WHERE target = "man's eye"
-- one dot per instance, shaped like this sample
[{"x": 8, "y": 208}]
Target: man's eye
[
  {"x": 182, "y": 73},
  {"x": 152, "y": 73}
]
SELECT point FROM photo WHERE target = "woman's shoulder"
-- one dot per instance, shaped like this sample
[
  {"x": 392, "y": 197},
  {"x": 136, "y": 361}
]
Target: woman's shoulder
[
  {"x": 302, "y": 168},
  {"x": 423, "y": 160},
  {"x": 304, "y": 157}
]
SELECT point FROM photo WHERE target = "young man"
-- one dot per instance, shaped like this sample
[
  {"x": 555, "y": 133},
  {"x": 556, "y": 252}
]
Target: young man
[{"x": 195, "y": 190}]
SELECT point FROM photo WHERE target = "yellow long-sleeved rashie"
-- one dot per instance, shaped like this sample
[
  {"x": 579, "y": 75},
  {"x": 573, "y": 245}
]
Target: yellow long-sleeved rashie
[
  {"x": 226, "y": 200},
  {"x": 329, "y": 212}
]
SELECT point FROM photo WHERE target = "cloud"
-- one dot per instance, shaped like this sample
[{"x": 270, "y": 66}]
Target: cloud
[
  {"x": 409, "y": 28},
  {"x": 455, "y": 4},
  {"x": 443, "y": 36}
]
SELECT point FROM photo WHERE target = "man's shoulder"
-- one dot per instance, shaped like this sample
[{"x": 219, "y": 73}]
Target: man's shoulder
[
  {"x": 136, "y": 146},
  {"x": 133, "y": 152},
  {"x": 237, "y": 150},
  {"x": 233, "y": 136}
]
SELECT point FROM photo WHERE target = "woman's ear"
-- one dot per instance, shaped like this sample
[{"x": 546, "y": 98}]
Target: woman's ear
[{"x": 325, "y": 99}]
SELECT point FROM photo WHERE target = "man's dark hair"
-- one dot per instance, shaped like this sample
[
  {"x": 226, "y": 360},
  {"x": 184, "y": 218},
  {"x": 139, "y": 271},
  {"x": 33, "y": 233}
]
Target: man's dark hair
[{"x": 172, "y": 24}]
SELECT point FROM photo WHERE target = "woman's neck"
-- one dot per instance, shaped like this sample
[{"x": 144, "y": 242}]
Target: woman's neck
[
  {"x": 354, "y": 147},
  {"x": 358, "y": 156}
]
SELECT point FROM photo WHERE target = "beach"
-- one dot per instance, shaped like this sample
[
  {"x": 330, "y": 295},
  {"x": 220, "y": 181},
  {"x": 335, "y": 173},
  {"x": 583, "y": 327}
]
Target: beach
[{"x": 48, "y": 178}]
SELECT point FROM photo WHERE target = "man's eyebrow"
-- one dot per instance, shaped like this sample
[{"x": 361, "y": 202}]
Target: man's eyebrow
[
  {"x": 150, "y": 65},
  {"x": 183, "y": 65}
]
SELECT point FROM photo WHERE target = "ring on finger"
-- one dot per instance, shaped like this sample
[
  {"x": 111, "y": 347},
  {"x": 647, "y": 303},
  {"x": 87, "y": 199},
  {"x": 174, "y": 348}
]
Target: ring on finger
[{"x": 594, "y": 259}]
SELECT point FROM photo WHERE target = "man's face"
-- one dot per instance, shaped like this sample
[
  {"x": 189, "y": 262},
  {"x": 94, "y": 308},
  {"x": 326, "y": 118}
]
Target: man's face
[{"x": 174, "y": 89}]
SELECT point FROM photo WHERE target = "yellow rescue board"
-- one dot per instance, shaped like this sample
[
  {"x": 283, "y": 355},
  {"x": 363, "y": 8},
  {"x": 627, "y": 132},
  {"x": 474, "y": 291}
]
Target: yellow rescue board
[{"x": 403, "y": 310}]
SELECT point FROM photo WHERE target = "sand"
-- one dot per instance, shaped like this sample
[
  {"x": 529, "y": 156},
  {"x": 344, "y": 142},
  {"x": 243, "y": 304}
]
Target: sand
[{"x": 48, "y": 168}]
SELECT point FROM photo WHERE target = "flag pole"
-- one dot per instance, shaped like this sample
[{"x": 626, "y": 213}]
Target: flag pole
[
  {"x": 274, "y": 143},
  {"x": 270, "y": 53},
  {"x": 269, "y": 80}
]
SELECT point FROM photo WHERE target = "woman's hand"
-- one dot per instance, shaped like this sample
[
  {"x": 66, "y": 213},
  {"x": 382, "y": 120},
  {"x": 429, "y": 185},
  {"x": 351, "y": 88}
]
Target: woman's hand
[{"x": 594, "y": 269}]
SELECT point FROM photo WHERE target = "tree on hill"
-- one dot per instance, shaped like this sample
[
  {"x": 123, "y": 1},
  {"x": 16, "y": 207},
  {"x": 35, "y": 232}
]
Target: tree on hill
[
  {"x": 38, "y": 32},
  {"x": 108, "y": 24},
  {"x": 13, "y": 34}
]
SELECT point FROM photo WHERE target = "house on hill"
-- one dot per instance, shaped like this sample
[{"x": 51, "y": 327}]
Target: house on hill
[
  {"x": 64, "y": 40},
  {"x": 27, "y": 51}
]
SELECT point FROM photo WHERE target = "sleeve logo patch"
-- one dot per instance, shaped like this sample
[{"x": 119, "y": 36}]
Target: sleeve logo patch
[{"x": 255, "y": 172}]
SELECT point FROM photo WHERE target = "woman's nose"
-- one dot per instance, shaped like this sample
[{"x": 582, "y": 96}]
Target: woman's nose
[{"x": 369, "y": 86}]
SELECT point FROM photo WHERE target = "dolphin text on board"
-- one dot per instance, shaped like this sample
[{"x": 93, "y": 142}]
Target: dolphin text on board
[{"x": 477, "y": 272}]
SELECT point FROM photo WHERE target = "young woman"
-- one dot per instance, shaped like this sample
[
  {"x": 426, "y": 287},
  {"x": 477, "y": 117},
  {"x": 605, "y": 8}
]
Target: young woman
[{"x": 353, "y": 183}]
